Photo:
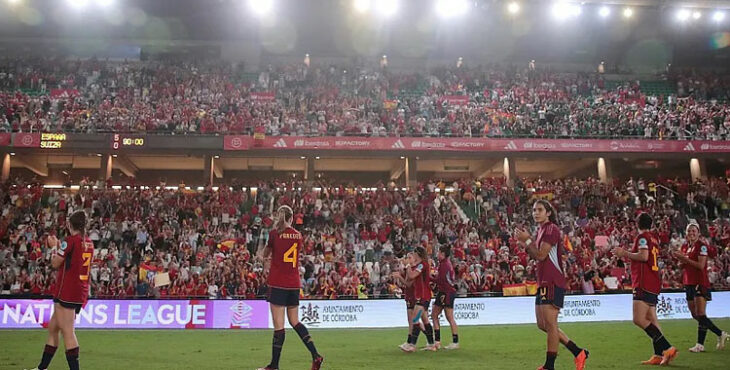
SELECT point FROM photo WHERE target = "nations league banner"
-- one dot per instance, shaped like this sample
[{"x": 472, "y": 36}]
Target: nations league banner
[
  {"x": 243, "y": 142},
  {"x": 385, "y": 313},
  {"x": 142, "y": 314}
]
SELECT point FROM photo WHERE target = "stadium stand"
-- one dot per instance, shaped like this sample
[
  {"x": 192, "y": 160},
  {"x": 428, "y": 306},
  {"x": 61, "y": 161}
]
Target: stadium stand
[
  {"x": 93, "y": 96},
  {"x": 209, "y": 242}
]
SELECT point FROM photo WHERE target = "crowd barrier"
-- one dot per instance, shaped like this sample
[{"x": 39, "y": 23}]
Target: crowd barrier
[{"x": 254, "y": 314}]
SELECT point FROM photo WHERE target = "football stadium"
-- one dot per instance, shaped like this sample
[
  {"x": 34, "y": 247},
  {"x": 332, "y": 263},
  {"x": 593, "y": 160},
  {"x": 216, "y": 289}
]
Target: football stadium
[{"x": 364, "y": 184}]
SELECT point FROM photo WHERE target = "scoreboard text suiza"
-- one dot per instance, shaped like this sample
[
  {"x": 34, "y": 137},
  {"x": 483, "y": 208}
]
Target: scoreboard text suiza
[
  {"x": 119, "y": 141},
  {"x": 52, "y": 141}
]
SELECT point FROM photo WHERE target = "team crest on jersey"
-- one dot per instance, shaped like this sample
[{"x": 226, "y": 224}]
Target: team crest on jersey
[
  {"x": 703, "y": 250},
  {"x": 642, "y": 242},
  {"x": 63, "y": 246}
]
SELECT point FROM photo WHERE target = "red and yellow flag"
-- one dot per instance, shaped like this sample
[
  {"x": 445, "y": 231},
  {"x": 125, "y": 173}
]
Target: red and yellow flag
[{"x": 568, "y": 244}]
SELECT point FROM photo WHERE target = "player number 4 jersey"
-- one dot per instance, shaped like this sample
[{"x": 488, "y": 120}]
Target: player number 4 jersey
[{"x": 285, "y": 247}]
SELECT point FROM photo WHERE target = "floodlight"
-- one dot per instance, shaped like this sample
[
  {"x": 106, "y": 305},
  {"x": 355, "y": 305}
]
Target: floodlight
[
  {"x": 604, "y": 11},
  {"x": 361, "y": 6},
  {"x": 451, "y": 8},
  {"x": 387, "y": 8},
  {"x": 718, "y": 16},
  {"x": 513, "y": 8},
  {"x": 77, "y": 4},
  {"x": 261, "y": 7},
  {"x": 683, "y": 15},
  {"x": 563, "y": 10},
  {"x": 696, "y": 15},
  {"x": 628, "y": 13}
]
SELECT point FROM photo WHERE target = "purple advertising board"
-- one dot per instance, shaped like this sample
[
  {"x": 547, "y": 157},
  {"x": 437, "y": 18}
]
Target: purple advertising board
[{"x": 142, "y": 314}]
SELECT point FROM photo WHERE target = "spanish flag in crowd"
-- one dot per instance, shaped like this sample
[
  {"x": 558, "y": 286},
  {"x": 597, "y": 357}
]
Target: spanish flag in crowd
[
  {"x": 514, "y": 290},
  {"x": 531, "y": 287},
  {"x": 568, "y": 244},
  {"x": 143, "y": 269},
  {"x": 226, "y": 245},
  {"x": 543, "y": 194}
]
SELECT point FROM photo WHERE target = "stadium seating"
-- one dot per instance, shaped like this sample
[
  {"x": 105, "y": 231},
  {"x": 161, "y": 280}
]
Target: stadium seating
[
  {"x": 209, "y": 242},
  {"x": 214, "y": 98}
]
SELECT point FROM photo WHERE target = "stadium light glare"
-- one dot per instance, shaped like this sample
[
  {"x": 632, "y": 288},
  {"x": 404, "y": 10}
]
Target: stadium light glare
[
  {"x": 513, "y": 8},
  {"x": 362, "y": 6},
  {"x": 604, "y": 11},
  {"x": 563, "y": 10},
  {"x": 718, "y": 16},
  {"x": 77, "y": 4},
  {"x": 13, "y": 2},
  {"x": 387, "y": 8},
  {"x": 451, "y": 8},
  {"x": 696, "y": 15},
  {"x": 261, "y": 7},
  {"x": 105, "y": 3},
  {"x": 628, "y": 13},
  {"x": 683, "y": 15}
]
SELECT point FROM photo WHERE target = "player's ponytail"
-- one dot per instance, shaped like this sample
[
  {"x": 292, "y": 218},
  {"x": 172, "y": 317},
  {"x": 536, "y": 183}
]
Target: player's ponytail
[
  {"x": 422, "y": 253},
  {"x": 78, "y": 222},
  {"x": 285, "y": 217}
]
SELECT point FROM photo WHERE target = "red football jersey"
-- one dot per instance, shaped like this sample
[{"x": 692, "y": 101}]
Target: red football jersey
[
  {"x": 72, "y": 279},
  {"x": 549, "y": 270},
  {"x": 409, "y": 292},
  {"x": 645, "y": 275},
  {"x": 694, "y": 276},
  {"x": 285, "y": 248},
  {"x": 421, "y": 283},
  {"x": 445, "y": 278}
]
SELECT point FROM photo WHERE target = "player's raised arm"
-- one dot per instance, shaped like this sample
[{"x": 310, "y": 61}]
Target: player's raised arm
[
  {"x": 60, "y": 255},
  {"x": 413, "y": 273},
  {"x": 539, "y": 253}
]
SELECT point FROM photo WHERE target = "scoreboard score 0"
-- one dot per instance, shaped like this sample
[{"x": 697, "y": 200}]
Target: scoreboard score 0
[{"x": 119, "y": 141}]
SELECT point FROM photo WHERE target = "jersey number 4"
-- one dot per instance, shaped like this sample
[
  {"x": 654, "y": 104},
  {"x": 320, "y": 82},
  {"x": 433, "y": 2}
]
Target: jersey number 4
[
  {"x": 87, "y": 264},
  {"x": 291, "y": 255}
]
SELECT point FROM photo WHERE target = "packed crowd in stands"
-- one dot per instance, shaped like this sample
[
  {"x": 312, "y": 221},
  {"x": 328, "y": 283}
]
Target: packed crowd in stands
[
  {"x": 209, "y": 243},
  {"x": 88, "y": 96}
]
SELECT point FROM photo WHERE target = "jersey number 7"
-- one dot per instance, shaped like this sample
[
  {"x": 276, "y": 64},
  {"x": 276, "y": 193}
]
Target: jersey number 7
[
  {"x": 291, "y": 255},
  {"x": 87, "y": 264}
]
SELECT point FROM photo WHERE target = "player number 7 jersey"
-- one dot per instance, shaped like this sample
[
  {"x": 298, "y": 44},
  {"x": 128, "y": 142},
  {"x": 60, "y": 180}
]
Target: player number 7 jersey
[{"x": 72, "y": 280}]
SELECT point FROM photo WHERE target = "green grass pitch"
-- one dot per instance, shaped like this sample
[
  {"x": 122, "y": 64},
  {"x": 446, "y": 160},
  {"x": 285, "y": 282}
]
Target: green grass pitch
[{"x": 613, "y": 345}]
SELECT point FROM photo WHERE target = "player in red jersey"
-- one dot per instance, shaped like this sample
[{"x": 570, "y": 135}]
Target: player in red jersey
[
  {"x": 548, "y": 251},
  {"x": 409, "y": 294},
  {"x": 445, "y": 299},
  {"x": 693, "y": 257},
  {"x": 73, "y": 261},
  {"x": 420, "y": 273},
  {"x": 282, "y": 260},
  {"x": 647, "y": 283}
]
